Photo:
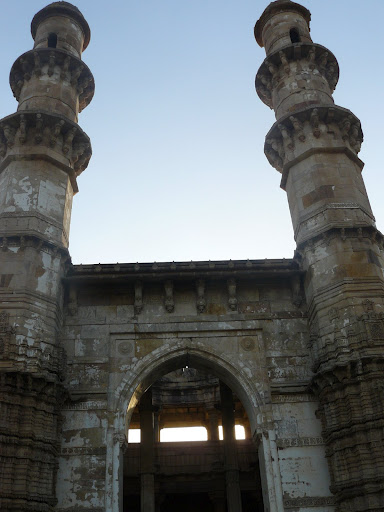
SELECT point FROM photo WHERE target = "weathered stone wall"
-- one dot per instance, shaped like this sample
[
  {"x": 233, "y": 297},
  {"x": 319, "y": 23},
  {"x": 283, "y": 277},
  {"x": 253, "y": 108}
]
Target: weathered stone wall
[{"x": 128, "y": 326}]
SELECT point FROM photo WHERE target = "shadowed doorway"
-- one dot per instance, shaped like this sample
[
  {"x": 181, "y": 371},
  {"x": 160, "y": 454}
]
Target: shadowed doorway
[{"x": 214, "y": 473}]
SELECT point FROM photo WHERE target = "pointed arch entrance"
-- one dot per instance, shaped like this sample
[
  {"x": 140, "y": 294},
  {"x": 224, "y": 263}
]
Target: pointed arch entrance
[{"x": 150, "y": 369}]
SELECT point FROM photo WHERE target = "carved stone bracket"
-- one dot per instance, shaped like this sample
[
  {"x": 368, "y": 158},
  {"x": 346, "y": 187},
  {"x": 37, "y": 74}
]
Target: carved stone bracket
[
  {"x": 138, "y": 305},
  {"x": 297, "y": 293},
  {"x": 201, "y": 303},
  {"x": 43, "y": 61},
  {"x": 232, "y": 294},
  {"x": 329, "y": 128},
  {"x": 72, "y": 302},
  {"x": 34, "y": 128},
  {"x": 318, "y": 60},
  {"x": 169, "y": 301}
]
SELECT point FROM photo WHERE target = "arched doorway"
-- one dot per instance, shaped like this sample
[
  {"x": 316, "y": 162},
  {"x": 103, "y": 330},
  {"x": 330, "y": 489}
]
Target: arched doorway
[
  {"x": 151, "y": 369},
  {"x": 199, "y": 463}
]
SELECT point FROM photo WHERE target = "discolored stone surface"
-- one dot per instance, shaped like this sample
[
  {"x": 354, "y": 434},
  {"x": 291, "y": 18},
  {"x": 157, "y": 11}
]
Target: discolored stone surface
[{"x": 290, "y": 349}]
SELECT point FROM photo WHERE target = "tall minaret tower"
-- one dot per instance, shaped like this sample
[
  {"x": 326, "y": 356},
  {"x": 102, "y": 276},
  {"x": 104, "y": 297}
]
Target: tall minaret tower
[
  {"x": 314, "y": 145},
  {"x": 42, "y": 151}
]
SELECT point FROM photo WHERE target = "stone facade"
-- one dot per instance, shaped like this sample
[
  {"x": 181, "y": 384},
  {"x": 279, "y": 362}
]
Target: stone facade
[{"x": 291, "y": 349}]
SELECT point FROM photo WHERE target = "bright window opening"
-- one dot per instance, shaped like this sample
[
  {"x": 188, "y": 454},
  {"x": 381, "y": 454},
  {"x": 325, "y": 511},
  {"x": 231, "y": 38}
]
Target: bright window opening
[
  {"x": 239, "y": 432},
  {"x": 182, "y": 434},
  {"x": 134, "y": 435},
  {"x": 175, "y": 435}
]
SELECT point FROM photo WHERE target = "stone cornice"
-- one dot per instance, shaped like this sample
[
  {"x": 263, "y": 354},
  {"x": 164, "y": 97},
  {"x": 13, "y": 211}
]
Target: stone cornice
[{"x": 193, "y": 269}]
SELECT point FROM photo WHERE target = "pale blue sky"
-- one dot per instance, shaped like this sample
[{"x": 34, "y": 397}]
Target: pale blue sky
[{"x": 178, "y": 170}]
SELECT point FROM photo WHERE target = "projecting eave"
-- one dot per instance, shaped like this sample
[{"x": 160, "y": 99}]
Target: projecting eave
[{"x": 268, "y": 268}]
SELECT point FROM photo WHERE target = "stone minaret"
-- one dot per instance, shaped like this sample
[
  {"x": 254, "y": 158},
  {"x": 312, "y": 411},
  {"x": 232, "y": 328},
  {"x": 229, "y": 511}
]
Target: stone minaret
[
  {"x": 42, "y": 151},
  {"x": 314, "y": 145}
]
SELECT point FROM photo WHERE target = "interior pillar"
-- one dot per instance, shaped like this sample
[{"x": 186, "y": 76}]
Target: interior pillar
[
  {"x": 247, "y": 429},
  {"x": 213, "y": 425},
  {"x": 230, "y": 450},
  {"x": 156, "y": 424},
  {"x": 147, "y": 478}
]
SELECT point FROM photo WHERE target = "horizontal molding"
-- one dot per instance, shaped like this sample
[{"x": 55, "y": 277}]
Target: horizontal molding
[
  {"x": 293, "y": 398},
  {"x": 318, "y": 501},
  {"x": 293, "y": 442},
  {"x": 85, "y": 406},
  {"x": 84, "y": 450}
]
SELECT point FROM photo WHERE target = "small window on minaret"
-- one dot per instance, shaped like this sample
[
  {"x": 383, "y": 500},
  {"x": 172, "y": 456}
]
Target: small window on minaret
[
  {"x": 295, "y": 36},
  {"x": 52, "y": 40}
]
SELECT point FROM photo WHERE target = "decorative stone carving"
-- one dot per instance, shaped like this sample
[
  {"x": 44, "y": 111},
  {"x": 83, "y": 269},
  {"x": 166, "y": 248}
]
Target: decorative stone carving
[
  {"x": 368, "y": 306},
  {"x": 138, "y": 304},
  {"x": 295, "y": 398},
  {"x": 6, "y": 333},
  {"x": 201, "y": 303},
  {"x": 35, "y": 437},
  {"x": 368, "y": 232},
  {"x": 53, "y": 131},
  {"x": 248, "y": 343},
  {"x": 297, "y": 295},
  {"x": 284, "y": 141},
  {"x": 299, "y": 442},
  {"x": 42, "y": 61},
  {"x": 72, "y": 302},
  {"x": 125, "y": 348},
  {"x": 168, "y": 301},
  {"x": 319, "y": 59},
  {"x": 83, "y": 450},
  {"x": 314, "y": 120},
  {"x": 232, "y": 298},
  {"x": 333, "y": 314},
  {"x": 85, "y": 406},
  {"x": 307, "y": 501}
]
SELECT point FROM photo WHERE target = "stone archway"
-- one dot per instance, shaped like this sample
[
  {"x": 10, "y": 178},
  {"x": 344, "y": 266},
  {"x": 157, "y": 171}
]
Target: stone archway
[
  {"x": 162, "y": 361},
  {"x": 150, "y": 369}
]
